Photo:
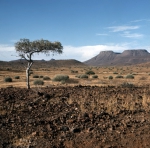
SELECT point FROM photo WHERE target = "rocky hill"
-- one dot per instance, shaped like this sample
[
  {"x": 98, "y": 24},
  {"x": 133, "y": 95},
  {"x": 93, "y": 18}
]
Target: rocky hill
[{"x": 127, "y": 57}]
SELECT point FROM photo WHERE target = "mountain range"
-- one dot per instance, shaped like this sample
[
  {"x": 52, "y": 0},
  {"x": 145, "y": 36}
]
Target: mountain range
[{"x": 127, "y": 57}]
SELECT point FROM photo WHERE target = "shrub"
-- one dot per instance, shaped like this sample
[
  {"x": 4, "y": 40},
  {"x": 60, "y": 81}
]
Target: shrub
[
  {"x": 46, "y": 78},
  {"x": 61, "y": 77},
  {"x": 94, "y": 76},
  {"x": 17, "y": 77},
  {"x": 83, "y": 76},
  {"x": 90, "y": 72},
  {"x": 41, "y": 76},
  {"x": 8, "y": 79},
  {"x": 129, "y": 77},
  {"x": 35, "y": 76},
  {"x": 110, "y": 77},
  {"x": 38, "y": 82},
  {"x": 74, "y": 71},
  {"x": 115, "y": 73},
  {"x": 119, "y": 76}
]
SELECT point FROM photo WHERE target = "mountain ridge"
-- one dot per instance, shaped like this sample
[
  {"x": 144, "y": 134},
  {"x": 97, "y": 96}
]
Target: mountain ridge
[{"x": 127, "y": 57}]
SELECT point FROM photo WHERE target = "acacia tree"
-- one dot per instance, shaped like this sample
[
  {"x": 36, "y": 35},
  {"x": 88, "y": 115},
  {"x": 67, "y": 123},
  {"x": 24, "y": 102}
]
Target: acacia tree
[{"x": 26, "y": 49}]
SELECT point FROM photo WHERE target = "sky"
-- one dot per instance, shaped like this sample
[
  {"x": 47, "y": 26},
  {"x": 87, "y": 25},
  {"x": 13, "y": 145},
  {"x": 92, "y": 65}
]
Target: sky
[{"x": 84, "y": 27}]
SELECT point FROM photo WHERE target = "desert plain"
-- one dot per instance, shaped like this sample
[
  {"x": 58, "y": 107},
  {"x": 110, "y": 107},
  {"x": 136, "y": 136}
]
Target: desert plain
[{"x": 105, "y": 110}]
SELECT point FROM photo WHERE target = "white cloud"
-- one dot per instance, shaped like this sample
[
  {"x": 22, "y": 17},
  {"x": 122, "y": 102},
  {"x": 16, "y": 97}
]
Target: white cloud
[
  {"x": 132, "y": 35},
  {"x": 122, "y": 28},
  {"x": 6, "y": 48},
  {"x": 137, "y": 20},
  {"x": 140, "y": 20},
  {"x": 81, "y": 53}
]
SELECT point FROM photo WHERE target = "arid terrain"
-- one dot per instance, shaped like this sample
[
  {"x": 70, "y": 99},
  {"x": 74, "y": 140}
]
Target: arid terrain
[{"x": 107, "y": 111}]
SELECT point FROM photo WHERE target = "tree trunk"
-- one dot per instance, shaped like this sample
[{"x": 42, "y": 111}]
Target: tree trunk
[{"x": 28, "y": 74}]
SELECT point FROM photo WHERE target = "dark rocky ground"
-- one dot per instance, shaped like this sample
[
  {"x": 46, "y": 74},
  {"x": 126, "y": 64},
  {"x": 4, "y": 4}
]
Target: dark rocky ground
[{"x": 75, "y": 117}]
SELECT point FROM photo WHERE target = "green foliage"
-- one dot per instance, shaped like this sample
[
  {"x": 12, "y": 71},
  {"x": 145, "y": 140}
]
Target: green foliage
[
  {"x": 38, "y": 82},
  {"x": 119, "y": 76},
  {"x": 46, "y": 78},
  {"x": 110, "y": 77},
  {"x": 41, "y": 76},
  {"x": 17, "y": 77},
  {"x": 61, "y": 77},
  {"x": 8, "y": 79},
  {"x": 94, "y": 76},
  {"x": 90, "y": 72},
  {"x": 35, "y": 76},
  {"x": 129, "y": 77},
  {"x": 25, "y": 46}
]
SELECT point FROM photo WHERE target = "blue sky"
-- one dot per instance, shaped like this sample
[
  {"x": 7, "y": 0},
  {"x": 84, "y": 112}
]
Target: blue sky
[{"x": 84, "y": 27}]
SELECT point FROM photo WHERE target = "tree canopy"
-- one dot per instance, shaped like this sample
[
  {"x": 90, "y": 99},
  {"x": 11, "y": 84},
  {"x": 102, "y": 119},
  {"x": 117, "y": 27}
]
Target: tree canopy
[{"x": 26, "y": 48}]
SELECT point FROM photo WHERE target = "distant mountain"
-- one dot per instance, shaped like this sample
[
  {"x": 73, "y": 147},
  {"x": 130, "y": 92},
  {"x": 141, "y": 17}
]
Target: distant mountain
[
  {"x": 127, "y": 57},
  {"x": 66, "y": 63},
  {"x": 44, "y": 64}
]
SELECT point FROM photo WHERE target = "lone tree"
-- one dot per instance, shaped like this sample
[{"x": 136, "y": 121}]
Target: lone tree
[{"x": 26, "y": 49}]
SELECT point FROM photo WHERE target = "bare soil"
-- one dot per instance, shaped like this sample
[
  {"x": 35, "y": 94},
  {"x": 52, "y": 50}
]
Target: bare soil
[{"x": 75, "y": 117}]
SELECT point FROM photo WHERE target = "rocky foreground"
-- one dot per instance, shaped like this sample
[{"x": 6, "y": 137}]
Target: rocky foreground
[{"x": 75, "y": 117}]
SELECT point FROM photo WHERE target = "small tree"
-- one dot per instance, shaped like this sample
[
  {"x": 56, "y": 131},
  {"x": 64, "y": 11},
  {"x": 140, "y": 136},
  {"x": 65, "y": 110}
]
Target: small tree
[{"x": 26, "y": 49}]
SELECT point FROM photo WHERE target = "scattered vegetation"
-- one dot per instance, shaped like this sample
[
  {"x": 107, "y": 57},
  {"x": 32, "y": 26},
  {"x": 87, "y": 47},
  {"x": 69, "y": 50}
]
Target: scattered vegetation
[
  {"x": 8, "y": 79},
  {"x": 61, "y": 77},
  {"x": 84, "y": 76},
  {"x": 90, "y": 72},
  {"x": 95, "y": 76},
  {"x": 46, "y": 78},
  {"x": 126, "y": 84},
  {"x": 38, "y": 82},
  {"x": 110, "y": 77},
  {"x": 130, "y": 77},
  {"x": 17, "y": 77},
  {"x": 119, "y": 76},
  {"x": 115, "y": 73},
  {"x": 35, "y": 76},
  {"x": 74, "y": 71}
]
